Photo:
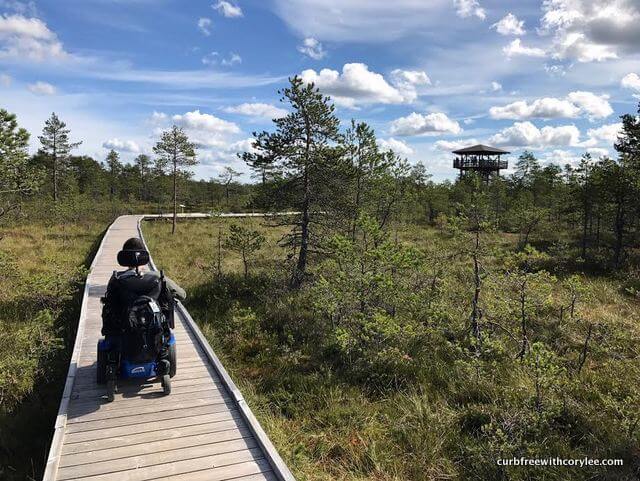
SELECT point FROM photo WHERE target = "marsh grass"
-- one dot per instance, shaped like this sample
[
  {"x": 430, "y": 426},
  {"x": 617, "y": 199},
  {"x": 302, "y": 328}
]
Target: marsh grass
[
  {"x": 454, "y": 420},
  {"x": 42, "y": 270}
]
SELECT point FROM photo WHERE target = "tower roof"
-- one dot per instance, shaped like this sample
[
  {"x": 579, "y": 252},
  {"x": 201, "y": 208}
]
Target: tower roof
[{"x": 480, "y": 149}]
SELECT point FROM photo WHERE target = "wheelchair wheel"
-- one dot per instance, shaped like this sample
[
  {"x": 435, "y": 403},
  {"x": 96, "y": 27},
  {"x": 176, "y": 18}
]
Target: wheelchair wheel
[
  {"x": 111, "y": 389},
  {"x": 173, "y": 360},
  {"x": 101, "y": 366},
  {"x": 166, "y": 384},
  {"x": 111, "y": 382}
]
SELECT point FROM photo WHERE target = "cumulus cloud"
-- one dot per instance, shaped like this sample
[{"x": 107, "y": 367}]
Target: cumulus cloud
[
  {"x": 312, "y": 48},
  {"x": 592, "y": 30},
  {"x": 496, "y": 86},
  {"x": 525, "y": 134},
  {"x": 605, "y": 134},
  {"x": 42, "y": 88},
  {"x": 575, "y": 104},
  {"x": 257, "y": 109},
  {"x": 595, "y": 106},
  {"x": 408, "y": 81},
  {"x": 469, "y": 8},
  {"x": 515, "y": 49},
  {"x": 509, "y": 25},
  {"x": 205, "y": 122},
  {"x": 204, "y": 25},
  {"x": 25, "y": 38},
  {"x": 122, "y": 145},
  {"x": 431, "y": 124},
  {"x": 228, "y": 10},
  {"x": 397, "y": 146},
  {"x": 598, "y": 152},
  {"x": 357, "y": 85},
  {"x": 545, "y": 108},
  {"x": 450, "y": 145},
  {"x": 631, "y": 81}
]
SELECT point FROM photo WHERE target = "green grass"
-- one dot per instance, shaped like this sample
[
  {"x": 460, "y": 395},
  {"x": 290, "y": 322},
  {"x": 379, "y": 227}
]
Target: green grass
[
  {"x": 453, "y": 420},
  {"x": 42, "y": 269}
]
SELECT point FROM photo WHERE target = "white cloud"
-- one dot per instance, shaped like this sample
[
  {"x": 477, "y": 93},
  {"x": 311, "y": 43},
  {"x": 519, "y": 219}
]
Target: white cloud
[
  {"x": 515, "y": 48},
  {"x": 356, "y": 85},
  {"x": 525, "y": 134},
  {"x": 158, "y": 118},
  {"x": 451, "y": 145},
  {"x": 25, "y": 38},
  {"x": 431, "y": 124},
  {"x": 631, "y": 81},
  {"x": 205, "y": 122},
  {"x": 595, "y": 106},
  {"x": 509, "y": 25},
  {"x": 407, "y": 81},
  {"x": 592, "y": 30},
  {"x": 560, "y": 157},
  {"x": 5, "y": 80},
  {"x": 469, "y": 8},
  {"x": 228, "y": 10},
  {"x": 233, "y": 59},
  {"x": 214, "y": 58},
  {"x": 204, "y": 25},
  {"x": 42, "y": 88},
  {"x": 598, "y": 152},
  {"x": 496, "y": 86},
  {"x": 398, "y": 146},
  {"x": 575, "y": 104},
  {"x": 122, "y": 145},
  {"x": 607, "y": 134},
  {"x": 312, "y": 48},
  {"x": 266, "y": 111},
  {"x": 545, "y": 108}
]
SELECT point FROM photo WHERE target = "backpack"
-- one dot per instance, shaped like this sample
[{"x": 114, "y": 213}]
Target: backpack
[{"x": 127, "y": 292}]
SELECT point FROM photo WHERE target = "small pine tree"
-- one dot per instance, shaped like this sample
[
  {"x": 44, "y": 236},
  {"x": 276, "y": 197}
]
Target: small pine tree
[
  {"x": 244, "y": 241},
  {"x": 174, "y": 150},
  {"x": 56, "y": 145}
]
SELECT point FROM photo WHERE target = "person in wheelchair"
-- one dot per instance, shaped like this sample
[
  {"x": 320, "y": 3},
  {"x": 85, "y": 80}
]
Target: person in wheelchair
[{"x": 137, "y": 319}]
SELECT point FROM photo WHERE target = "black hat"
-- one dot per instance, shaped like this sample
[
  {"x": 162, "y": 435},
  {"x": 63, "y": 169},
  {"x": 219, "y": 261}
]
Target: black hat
[{"x": 133, "y": 244}]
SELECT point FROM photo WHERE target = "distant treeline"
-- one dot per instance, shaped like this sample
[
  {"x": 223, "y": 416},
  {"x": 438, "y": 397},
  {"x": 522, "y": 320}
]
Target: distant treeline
[{"x": 310, "y": 164}]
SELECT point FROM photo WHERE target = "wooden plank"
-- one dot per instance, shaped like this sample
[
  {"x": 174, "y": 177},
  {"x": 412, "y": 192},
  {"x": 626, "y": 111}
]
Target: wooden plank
[
  {"x": 169, "y": 453},
  {"x": 219, "y": 467},
  {"x": 219, "y": 428},
  {"x": 170, "y": 442}
]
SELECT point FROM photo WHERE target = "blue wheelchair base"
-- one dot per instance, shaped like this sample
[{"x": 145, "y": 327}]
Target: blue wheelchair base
[{"x": 129, "y": 369}]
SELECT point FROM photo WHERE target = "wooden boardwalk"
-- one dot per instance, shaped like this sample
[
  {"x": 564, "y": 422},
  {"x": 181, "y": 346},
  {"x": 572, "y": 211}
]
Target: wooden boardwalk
[{"x": 202, "y": 431}]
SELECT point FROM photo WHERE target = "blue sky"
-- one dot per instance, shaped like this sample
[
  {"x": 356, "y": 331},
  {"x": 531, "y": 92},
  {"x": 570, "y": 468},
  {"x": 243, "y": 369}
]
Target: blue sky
[{"x": 552, "y": 76}]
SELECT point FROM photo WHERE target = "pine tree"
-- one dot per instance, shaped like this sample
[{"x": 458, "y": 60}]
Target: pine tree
[
  {"x": 303, "y": 155},
  {"x": 174, "y": 150},
  {"x": 143, "y": 166},
  {"x": 114, "y": 166},
  {"x": 56, "y": 145},
  {"x": 17, "y": 177}
]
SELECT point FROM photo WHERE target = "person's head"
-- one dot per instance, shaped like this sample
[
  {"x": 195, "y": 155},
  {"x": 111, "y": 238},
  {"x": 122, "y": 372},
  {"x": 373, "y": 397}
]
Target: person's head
[{"x": 133, "y": 244}]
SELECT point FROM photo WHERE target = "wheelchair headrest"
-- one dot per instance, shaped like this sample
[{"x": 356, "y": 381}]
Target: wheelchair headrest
[{"x": 133, "y": 257}]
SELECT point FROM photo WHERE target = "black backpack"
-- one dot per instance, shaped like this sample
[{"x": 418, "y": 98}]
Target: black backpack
[{"x": 126, "y": 292}]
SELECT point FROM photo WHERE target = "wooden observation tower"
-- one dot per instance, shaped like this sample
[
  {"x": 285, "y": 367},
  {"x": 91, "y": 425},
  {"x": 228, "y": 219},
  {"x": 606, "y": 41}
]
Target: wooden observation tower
[{"x": 484, "y": 160}]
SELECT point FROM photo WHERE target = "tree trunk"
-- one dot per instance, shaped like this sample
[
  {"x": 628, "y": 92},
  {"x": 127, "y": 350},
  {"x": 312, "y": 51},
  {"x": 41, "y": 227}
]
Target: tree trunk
[
  {"x": 175, "y": 197},
  {"x": 619, "y": 231},
  {"x": 55, "y": 178}
]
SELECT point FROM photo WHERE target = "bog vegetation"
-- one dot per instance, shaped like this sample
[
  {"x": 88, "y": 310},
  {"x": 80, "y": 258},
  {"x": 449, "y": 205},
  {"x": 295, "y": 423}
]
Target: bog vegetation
[{"x": 393, "y": 328}]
